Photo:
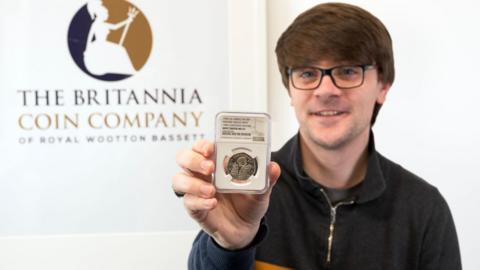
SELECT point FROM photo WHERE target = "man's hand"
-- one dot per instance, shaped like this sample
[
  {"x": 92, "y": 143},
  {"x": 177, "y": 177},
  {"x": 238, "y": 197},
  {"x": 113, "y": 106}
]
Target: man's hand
[{"x": 231, "y": 219}]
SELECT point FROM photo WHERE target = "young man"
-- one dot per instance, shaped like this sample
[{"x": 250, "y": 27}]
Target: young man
[{"x": 338, "y": 203}]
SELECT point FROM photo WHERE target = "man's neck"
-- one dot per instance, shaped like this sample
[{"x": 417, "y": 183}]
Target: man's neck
[{"x": 340, "y": 168}]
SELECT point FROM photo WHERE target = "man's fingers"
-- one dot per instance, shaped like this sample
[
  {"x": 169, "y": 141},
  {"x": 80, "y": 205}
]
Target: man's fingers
[
  {"x": 183, "y": 183},
  {"x": 192, "y": 161},
  {"x": 194, "y": 204},
  {"x": 203, "y": 147}
]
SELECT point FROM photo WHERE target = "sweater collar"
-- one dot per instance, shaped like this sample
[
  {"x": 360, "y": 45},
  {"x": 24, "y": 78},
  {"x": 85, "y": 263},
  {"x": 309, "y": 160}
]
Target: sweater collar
[{"x": 370, "y": 188}]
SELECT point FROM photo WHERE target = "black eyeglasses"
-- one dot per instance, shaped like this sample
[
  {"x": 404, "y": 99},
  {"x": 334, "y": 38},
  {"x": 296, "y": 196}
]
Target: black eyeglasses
[{"x": 344, "y": 77}]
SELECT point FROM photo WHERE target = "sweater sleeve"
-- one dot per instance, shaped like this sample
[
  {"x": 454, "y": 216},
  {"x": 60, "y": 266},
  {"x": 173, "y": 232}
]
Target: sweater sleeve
[
  {"x": 207, "y": 254},
  {"x": 440, "y": 250}
]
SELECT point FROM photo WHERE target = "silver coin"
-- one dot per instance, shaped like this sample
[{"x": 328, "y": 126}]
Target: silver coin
[{"x": 241, "y": 166}]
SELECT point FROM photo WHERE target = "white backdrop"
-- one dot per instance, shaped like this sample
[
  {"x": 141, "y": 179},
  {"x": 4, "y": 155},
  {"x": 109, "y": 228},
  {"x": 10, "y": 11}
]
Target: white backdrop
[
  {"x": 57, "y": 187},
  {"x": 429, "y": 123},
  {"x": 104, "y": 222}
]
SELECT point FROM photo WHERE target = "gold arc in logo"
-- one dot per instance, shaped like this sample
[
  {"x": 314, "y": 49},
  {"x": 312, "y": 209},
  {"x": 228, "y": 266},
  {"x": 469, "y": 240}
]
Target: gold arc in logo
[{"x": 138, "y": 42}]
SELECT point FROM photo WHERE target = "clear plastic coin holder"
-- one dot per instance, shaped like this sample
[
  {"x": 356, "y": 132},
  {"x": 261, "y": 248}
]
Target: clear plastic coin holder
[{"x": 242, "y": 152}]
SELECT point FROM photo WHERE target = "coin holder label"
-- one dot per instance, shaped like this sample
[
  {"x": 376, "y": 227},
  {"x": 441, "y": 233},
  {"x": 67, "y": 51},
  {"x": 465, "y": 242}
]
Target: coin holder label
[
  {"x": 242, "y": 152},
  {"x": 243, "y": 128}
]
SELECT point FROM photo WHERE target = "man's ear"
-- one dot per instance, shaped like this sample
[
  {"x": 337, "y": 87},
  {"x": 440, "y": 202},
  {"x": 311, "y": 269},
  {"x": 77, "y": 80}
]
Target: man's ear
[{"x": 382, "y": 94}]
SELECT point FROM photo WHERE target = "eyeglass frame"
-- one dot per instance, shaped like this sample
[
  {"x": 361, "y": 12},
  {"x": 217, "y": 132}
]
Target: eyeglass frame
[{"x": 328, "y": 72}]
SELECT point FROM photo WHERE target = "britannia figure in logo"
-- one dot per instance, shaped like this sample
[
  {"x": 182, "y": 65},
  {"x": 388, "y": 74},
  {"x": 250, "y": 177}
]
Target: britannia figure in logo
[{"x": 102, "y": 56}]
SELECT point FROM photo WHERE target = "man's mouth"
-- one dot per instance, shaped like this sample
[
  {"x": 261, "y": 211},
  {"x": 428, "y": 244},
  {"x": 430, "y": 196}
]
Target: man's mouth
[{"x": 327, "y": 113}]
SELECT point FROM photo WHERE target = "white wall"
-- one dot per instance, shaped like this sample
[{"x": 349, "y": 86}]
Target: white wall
[
  {"x": 150, "y": 251},
  {"x": 429, "y": 123}
]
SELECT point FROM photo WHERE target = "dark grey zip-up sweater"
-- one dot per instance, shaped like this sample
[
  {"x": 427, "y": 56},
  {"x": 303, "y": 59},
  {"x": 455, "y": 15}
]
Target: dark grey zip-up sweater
[{"x": 395, "y": 221}]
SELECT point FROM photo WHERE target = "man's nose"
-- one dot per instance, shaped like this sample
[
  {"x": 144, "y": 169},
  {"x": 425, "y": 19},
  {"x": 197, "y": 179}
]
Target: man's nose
[{"x": 327, "y": 87}]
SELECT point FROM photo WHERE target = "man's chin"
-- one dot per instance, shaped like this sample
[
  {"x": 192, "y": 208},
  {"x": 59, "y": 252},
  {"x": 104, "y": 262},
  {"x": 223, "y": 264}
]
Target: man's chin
[{"x": 330, "y": 142}]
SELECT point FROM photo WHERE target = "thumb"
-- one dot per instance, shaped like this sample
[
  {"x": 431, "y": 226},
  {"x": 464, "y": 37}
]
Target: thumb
[{"x": 274, "y": 173}]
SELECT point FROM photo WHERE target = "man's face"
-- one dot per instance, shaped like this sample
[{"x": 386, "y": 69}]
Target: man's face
[{"x": 331, "y": 117}]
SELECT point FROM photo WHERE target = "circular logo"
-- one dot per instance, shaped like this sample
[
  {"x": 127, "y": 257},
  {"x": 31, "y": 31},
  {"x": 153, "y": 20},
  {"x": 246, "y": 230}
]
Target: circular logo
[{"x": 109, "y": 40}]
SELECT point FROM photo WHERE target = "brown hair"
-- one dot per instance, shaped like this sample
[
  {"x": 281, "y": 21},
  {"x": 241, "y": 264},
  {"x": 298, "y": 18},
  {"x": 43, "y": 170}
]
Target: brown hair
[{"x": 336, "y": 32}]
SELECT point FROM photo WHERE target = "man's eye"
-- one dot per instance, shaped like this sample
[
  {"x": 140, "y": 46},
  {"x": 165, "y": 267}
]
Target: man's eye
[
  {"x": 307, "y": 74},
  {"x": 348, "y": 71}
]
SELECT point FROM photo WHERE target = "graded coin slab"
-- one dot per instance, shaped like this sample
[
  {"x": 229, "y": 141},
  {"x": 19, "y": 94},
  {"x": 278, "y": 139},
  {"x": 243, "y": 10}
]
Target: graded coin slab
[{"x": 242, "y": 152}]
